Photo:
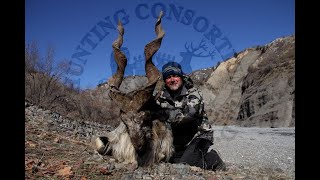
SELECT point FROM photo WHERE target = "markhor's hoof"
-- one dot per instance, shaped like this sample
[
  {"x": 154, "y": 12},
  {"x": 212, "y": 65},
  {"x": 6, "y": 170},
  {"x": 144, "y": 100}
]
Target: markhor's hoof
[{"x": 102, "y": 146}]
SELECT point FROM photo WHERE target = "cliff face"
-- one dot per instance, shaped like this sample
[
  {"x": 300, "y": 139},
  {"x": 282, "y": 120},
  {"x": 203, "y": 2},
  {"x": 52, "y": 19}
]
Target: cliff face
[{"x": 255, "y": 88}]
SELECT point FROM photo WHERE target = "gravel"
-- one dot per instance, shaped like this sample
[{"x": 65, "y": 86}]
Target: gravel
[
  {"x": 272, "y": 148},
  {"x": 250, "y": 153}
]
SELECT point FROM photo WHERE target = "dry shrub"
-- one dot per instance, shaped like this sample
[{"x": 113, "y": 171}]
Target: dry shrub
[{"x": 45, "y": 87}]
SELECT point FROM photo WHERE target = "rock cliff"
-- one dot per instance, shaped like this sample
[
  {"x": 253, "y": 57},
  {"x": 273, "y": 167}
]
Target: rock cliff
[{"x": 256, "y": 87}]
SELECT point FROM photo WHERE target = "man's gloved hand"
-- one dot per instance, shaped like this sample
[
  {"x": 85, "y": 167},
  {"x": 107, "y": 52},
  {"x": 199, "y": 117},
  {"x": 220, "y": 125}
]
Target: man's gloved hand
[
  {"x": 175, "y": 116},
  {"x": 205, "y": 127}
]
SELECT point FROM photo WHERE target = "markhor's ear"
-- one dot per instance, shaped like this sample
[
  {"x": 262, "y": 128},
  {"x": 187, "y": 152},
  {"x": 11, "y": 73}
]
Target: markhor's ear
[{"x": 157, "y": 90}]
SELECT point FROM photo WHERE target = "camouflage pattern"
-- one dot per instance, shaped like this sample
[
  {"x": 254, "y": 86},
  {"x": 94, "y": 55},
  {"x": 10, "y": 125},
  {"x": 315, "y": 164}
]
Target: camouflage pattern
[{"x": 185, "y": 110}]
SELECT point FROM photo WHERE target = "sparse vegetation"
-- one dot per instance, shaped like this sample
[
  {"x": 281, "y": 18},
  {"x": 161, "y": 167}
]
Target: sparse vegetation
[
  {"x": 46, "y": 86},
  {"x": 43, "y": 84}
]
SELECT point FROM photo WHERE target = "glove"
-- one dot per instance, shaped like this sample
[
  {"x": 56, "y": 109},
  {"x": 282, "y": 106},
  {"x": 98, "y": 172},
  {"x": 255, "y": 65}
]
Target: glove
[{"x": 175, "y": 116}]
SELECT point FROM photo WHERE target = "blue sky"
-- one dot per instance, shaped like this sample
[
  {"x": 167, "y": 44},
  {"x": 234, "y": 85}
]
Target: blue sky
[{"x": 82, "y": 31}]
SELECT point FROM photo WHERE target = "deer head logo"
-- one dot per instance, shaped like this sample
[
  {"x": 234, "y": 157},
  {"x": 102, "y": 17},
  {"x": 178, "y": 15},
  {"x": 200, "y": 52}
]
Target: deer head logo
[{"x": 194, "y": 51}]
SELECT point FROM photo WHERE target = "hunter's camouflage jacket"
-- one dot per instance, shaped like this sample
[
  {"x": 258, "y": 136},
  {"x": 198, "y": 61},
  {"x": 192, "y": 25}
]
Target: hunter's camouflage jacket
[{"x": 184, "y": 113}]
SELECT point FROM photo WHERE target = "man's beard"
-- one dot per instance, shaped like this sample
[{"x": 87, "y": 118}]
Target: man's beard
[{"x": 175, "y": 86}]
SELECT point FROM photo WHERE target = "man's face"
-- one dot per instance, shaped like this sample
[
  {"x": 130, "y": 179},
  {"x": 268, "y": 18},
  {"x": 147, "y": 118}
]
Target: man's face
[{"x": 173, "y": 82}]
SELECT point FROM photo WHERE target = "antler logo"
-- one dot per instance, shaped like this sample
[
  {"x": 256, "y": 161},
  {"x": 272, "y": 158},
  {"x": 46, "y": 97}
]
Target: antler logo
[{"x": 200, "y": 50}]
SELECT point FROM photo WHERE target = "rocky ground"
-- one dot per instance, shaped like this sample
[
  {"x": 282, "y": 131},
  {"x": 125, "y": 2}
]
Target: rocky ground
[{"x": 61, "y": 148}]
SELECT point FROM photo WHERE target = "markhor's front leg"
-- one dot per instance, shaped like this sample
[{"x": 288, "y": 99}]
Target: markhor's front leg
[
  {"x": 118, "y": 144},
  {"x": 162, "y": 141}
]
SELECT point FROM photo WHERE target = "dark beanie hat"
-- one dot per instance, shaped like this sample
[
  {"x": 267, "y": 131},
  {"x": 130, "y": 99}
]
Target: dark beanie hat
[{"x": 171, "y": 68}]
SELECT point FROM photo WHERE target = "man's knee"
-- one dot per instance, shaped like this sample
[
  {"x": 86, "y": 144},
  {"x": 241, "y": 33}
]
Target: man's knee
[
  {"x": 196, "y": 154},
  {"x": 214, "y": 161}
]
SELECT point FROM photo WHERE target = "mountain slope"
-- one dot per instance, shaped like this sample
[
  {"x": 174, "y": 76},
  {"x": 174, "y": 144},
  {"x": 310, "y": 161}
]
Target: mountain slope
[{"x": 255, "y": 88}]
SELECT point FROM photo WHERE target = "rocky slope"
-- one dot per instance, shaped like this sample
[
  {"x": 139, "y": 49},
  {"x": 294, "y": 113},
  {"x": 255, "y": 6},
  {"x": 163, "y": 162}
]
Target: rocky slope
[
  {"x": 57, "y": 147},
  {"x": 255, "y": 88}
]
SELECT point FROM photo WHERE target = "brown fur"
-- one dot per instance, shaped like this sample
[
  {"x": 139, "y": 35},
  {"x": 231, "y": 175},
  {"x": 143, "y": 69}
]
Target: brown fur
[
  {"x": 138, "y": 140},
  {"x": 159, "y": 147}
]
